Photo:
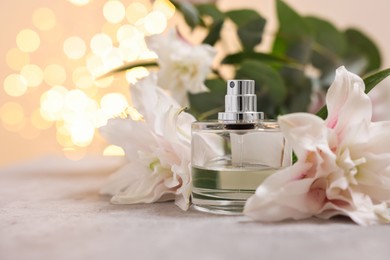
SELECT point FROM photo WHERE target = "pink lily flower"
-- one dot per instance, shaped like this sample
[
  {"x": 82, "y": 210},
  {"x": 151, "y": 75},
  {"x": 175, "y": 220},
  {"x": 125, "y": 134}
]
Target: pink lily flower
[{"x": 343, "y": 165}]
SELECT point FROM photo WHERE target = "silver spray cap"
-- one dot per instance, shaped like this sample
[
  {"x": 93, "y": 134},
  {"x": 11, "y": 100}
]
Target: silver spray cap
[{"x": 240, "y": 103}]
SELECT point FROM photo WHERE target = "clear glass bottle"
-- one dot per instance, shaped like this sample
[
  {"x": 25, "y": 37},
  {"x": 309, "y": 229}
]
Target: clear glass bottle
[{"x": 232, "y": 156}]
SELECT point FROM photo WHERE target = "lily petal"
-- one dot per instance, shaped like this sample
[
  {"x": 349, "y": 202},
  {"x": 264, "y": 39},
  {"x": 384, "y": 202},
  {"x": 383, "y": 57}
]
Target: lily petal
[{"x": 346, "y": 102}]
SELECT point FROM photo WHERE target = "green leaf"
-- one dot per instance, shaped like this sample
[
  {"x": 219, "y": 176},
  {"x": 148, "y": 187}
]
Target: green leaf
[
  {"x": 370, "y": 82},
  {"x": 268, "y": 81},
  {"x": 291, "y": 24},
  {"x": 360, "y": 44},
  {"x": 327, "y": 36},
  {"x": 190, "y": 13},
  {"x": 251, "y": 33},
  {"x": 239, "y": 57},
  {"x": 328, "y": 48},
  {"x": 323, "y": 112},
  {"x": 242, "y": 16},
  {"x": 294, "y": 37},
  {"x": 207, "y": 105},
  {"x": 210, "y": 10},
  {"x": 214, "y": 33},
  {"x": 250, "y": 26},
  {"x": 374, "y": 79}
]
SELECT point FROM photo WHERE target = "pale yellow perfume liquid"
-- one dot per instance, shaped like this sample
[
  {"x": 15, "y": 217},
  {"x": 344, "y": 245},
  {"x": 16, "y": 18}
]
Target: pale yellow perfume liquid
[{"x": 225, "y": 190}]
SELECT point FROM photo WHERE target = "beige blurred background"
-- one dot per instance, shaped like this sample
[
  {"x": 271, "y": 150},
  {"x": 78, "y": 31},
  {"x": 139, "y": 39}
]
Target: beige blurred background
[{"x": 25, "y": 133}]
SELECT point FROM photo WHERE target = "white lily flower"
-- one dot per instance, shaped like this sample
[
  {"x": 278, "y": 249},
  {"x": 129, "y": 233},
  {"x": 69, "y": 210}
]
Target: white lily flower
[
  {"x": 343, "y": 165},
  {"x": 157, "y": 149},
  {"x": 183, "y": 67}
]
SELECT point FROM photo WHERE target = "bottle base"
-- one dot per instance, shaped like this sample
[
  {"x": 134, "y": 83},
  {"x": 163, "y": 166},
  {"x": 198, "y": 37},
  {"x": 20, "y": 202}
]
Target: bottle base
[
  {"x": 219, "y": 210},
  {"x": 218, "y": 206}
]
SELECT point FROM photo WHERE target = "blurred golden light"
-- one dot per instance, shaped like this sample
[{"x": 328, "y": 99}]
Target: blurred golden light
[
  {"x": 133, "y": 75},
  {"x": 28, "y": 40},
  {"x": 164, "y": 6},
  {"x": 104, "y": 82},
  {"x": 16, "y": 59},
  {"x": 155, "y": 22},
  {"x": 95, "y": 66},
  {"x": 114, "y": 11},
  {"x": 76, "y": 100},
  {"x": 12, "y": 113},
  {"x": 54, "y": 75},
  {"x": 52, "y": 103},
  {"x": 33, "y": 74},
  {"x": 129, "y": 53},
  {"x": 15, "y": 85},
  {"x": 113, "y": 59},
  {"x": 38, "y": 121},
  {"x": 130, "y": 42},
  {"x": 148, "y": 55},
  {"x": 63, "y": 128},
  {"x": 126, "y": 31},
  {"x": 113, "y": 104},
  {"x": 82, "y": 78},
  {"x": 80, "y": 2},
  {"x": 82, "y": 133},
  {"x": 74, "y": 47},
  {"x": 64, "y": 139},
  {"x": 75, "y": 113},
  {"x": 44, "y": 19},
  {"x": 113, "y": 150},
  {"x": 135, "y": 11},
  {"x": 101, "y": 44}
]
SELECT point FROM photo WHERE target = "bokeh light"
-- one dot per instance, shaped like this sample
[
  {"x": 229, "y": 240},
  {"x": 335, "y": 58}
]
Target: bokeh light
[
  {"x": 82, "y": 132},
  {"x": 17, "y": 59},
  {"x": 33, "y": 74},
  {"x": 28, "y": 40},
  {"x": 113, "y": 104},
  {"x": 135, "y": 11},
  {"x": 82, "y": 78},
  {"x": 15, "y": 85},
  {"x": 155, "y": 22},
  {"x": 113, "y": 59},
  {"x": 44, "y": 19},
  {"x": 113, "y": 150},
  {"x": 12, "y": 113},
  {"x": 104, "y": 82},
  {"x": 74, "y": 47},
  {"x": 38, "y": 121},
  {"x": 72, "y": 98},
  {"x": 131, "y": 42},
  {"x": 114, "y": 11},
  {"x": 164, "y": 6},
  {"x": 101, "y": 44},
  {"x": 80, "y": 2},
  {"x": 52, "y": 102}
]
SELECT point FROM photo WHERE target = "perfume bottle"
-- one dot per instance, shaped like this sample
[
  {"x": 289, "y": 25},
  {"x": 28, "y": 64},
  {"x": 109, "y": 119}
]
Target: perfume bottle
[{"x": 232, "y": 156}]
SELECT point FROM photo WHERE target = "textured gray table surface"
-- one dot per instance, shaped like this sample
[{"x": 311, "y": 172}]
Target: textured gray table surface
[{"x": 50, "y": 209}]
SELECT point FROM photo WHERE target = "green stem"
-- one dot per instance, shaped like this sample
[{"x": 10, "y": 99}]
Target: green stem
[{"x": 130, "y": 65}]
